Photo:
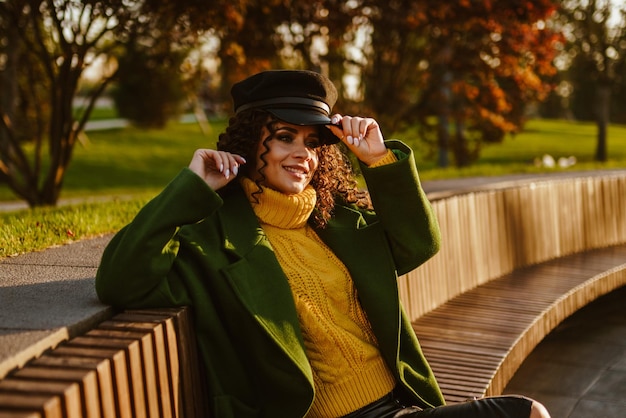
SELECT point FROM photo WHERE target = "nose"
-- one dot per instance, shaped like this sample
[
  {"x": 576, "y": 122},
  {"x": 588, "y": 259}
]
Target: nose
[{"x": 303, "y": 151}]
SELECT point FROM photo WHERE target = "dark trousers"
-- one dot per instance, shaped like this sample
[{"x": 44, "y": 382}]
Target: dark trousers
[{"x": 492, "y": 407}]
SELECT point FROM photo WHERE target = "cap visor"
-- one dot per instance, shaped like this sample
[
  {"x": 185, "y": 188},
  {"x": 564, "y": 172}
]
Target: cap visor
[
  {"x": 307, "y": 117},
  {"x": 300, "y": 116}
]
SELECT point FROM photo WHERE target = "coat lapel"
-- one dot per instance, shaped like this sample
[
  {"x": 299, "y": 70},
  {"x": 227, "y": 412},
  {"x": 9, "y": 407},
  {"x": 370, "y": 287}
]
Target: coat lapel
[{"x": 258, "y": 279}]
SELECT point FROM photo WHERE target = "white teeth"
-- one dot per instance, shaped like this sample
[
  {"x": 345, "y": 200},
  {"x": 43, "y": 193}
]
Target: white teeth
[{"x": 295, "y": 170}]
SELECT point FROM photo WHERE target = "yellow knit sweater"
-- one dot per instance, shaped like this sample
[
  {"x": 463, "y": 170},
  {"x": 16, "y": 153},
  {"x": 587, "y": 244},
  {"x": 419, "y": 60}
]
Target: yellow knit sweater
[{"x": 348, "y": 370}]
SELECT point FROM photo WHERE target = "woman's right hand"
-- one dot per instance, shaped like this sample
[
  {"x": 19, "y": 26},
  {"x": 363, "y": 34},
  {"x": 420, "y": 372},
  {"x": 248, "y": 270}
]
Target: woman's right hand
[{"x": 216, "y": 168}]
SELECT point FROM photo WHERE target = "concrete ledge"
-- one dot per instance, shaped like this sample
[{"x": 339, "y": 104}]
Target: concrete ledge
[{"x": 48, "y": 297}]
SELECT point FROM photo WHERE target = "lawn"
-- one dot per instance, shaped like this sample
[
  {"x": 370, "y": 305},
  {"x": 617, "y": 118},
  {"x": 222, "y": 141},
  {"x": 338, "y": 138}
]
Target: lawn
[
  {"x": 517, "y": 154},
  {"x": 128, "y": 160},
  {"x": 130, "y": 165}
]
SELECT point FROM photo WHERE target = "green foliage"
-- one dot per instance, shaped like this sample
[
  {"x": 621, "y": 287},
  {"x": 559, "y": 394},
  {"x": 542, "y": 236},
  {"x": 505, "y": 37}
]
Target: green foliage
[
  {"x": 45, "y": 48},
  {"x": 467, "y": 67},
  {"x": 472, "y": 67},
  {"x": 149, "y": 90}
]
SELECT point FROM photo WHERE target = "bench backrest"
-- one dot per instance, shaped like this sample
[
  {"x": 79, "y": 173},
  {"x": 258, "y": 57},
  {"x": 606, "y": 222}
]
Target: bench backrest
[{"x": 489, "y": 233}]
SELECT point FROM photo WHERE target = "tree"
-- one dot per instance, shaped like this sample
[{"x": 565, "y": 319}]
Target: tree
[
  {"x": 55, "y": 41},
  {"x": 54, "y": 49},
  {"x": 263, "y": 34},
  {"x": 149, "y": 88},
  {"x": 60, "y": 39},
  {"x": 473, "y": 65},
  {"x": 597, "y": 45}
]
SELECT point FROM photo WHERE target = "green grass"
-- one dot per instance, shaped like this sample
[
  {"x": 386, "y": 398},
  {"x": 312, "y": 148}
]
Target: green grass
[
  {"x": 100, "y": 113},
  {"x": 131, "y": 165},
  {"x": 128, "y": 160},
  {"x": 517, "y": 153},
  {"x": 123, "y": 162},
  {"x": 40, "y": 228}
]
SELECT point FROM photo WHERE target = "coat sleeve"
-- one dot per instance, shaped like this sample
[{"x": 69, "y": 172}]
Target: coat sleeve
[
  {"x": 136, "y": 266},
  {"x": 403, "y": 209}
]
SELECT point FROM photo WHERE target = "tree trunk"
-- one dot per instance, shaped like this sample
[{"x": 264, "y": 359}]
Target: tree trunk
[
  {"x": 461, "y": 150},
  {"x": 444, "y": 108},
  {"x": 443, "y": 139},
  {"x": 8, "y": 94},
  {"x": 8, "y": 80},
  {"x": 602, "y": 108}
]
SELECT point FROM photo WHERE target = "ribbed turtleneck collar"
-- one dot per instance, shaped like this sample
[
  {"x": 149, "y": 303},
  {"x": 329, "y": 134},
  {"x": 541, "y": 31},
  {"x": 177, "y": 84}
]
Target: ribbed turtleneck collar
[{"x": 278, "y": 209}]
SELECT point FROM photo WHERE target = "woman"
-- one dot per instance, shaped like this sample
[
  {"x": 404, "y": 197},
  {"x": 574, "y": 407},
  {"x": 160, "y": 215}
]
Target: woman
[{"x": 290, "y": 273}]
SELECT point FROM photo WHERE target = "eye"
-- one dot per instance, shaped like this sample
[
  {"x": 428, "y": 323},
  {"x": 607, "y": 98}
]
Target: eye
[
  {"x": 284, "y": 136},
  {"x": 313, "y": 143}
]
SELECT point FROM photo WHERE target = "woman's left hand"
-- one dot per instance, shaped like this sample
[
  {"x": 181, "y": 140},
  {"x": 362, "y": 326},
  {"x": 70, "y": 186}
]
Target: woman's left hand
[{"x": 362, "y": 136}]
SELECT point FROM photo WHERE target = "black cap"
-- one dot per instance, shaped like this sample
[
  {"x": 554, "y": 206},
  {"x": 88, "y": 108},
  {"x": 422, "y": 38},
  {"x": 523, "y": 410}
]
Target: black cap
[{"x": 293, "y": 96}]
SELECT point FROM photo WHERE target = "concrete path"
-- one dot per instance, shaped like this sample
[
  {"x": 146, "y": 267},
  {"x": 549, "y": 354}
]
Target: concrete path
[{"x": 579, "y": 370}]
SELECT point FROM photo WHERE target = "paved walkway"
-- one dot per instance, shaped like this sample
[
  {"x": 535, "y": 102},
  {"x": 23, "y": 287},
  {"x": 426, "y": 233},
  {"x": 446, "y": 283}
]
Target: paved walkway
[{"x": 579, "y": 370}]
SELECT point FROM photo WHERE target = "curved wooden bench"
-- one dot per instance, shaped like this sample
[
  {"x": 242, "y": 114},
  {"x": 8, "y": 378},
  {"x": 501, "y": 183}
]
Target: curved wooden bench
[
  {"x": 137, "y": 364},
  {"x": 517, "y": 259},
  {"x": 515, "y": 262},
  {"x": 476, "y": 341}
]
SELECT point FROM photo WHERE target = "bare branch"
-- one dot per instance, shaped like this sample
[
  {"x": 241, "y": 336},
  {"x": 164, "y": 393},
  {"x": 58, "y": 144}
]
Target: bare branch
[
  {"x": 10, "y": 151},
  {"x": 80, "y": 126},
  {"x": 57, "y": 23},
  {"x": 40, "y": 48}
]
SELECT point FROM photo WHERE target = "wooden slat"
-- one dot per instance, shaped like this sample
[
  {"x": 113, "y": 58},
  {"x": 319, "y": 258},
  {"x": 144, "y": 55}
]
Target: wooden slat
[
  {"x": 163, "y": 381},
  {"x": 137, "y": 364},
  {"x": 477, "y": 340},
  {"x": 102, "y": 365},
  {"x": 490, "y": 233},
  {"x": 143, "y": 367},
  {"x": 115, "y": 374},
  {"x": 87, "y": 380},
  {"x": 19, "y": 414},
  {"x": 46, "y": 406},
  {"x": 182, "y": 347},
  {"x": 68, "y": 394}
]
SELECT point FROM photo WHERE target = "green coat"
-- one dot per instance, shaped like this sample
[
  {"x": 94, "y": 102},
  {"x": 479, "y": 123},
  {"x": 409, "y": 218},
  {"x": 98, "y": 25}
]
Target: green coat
[{"x": 192, "y": 246}]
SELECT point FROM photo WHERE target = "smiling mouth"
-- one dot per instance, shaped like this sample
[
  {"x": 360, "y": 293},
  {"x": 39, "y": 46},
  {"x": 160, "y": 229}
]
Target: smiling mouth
[{"x": 297, "y": 171}]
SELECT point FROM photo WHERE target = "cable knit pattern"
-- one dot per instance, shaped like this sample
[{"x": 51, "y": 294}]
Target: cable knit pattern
[{"x": 348, "y": 370}]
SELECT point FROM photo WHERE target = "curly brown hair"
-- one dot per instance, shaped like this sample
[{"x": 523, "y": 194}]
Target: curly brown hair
[{"x": 333, "y": 179}]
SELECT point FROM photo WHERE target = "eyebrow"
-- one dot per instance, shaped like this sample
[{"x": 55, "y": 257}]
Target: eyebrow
[{"x": 315, "y": 133}]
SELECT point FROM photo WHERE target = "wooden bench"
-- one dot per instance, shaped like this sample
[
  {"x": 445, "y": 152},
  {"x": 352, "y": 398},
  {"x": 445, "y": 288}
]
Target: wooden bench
[
  {"x": 137, "y": 364},
  {"x": 476, "y": 341},
  {"x": 515, "y": 262},
  {"x": 144, "y": 363}
]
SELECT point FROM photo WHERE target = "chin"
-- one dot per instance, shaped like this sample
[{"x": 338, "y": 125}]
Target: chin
[{"x": 294, "y": 189}]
